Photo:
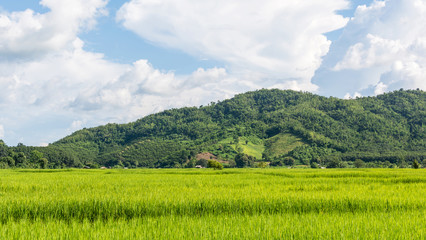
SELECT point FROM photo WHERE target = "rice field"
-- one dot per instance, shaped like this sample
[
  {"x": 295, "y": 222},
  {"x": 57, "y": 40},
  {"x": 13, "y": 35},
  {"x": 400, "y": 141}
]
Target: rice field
[{"x": 208, "y": 204}]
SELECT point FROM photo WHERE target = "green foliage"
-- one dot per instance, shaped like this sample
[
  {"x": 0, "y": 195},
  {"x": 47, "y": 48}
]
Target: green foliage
[
  {"x": 314, "y": 165},
  {"x": 289, "y": 161},
  {"x": 334, "y": 162},
  {"x": 359, "y": 163},
  {"x": 7, "y": 162},
  {"x": 43, "y": 162},
  {"x": 202, "y": 162},
  {"x": 261, "y": 165},
  {"x": 214, "y": 164},
  {"x": 264, "y": 124},
  {"x": 416, "y": 164},
  {"x": 243, "y": 160},
  {"x": 281, "y": 144}
]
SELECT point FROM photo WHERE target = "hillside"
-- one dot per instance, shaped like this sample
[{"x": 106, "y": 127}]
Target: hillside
[{"x": 264, "y": 125}]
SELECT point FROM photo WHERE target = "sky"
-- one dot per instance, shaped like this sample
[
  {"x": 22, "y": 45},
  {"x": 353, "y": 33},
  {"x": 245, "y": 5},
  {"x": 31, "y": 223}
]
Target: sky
[{"x": 66, "y": 65}]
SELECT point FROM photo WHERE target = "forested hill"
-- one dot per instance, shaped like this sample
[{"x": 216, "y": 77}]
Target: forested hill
[{"x": 274, "y": 126}]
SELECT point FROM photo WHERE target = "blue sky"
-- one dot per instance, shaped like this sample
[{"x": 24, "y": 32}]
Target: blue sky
[{"x": 65, "y": 65}]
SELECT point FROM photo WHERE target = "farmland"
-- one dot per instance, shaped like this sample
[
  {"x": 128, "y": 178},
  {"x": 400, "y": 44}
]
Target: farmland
[{"x": 208, "y": 204}]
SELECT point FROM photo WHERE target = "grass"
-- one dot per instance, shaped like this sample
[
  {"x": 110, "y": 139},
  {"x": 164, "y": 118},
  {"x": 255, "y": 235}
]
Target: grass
[
  {"x": 251, "y": 145},
  {"x": 207, "y": 204},
  {"x": 283, "y": 143}
]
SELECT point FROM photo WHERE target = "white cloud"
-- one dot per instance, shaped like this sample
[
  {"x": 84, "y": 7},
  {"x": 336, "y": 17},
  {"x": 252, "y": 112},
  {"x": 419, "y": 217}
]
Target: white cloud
[
  {"x": 378, "y": 51},
  {"x": 43, "y": 95},
  {"x": 76, "y": 125},
  {"x": 142, "y": 89},
  {"x": 382, "y": 48},
  {"x": 55, "y": 79},
  {"x": 380, "y": 88},
  {"x": 1, "y": 131},
  {"x": 280, "y": 41},
  {"x": 28, "y": 34},
  {"x": 349, "y": 96}
]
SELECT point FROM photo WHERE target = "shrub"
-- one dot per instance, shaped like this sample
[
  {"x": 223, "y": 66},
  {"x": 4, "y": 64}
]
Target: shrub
[
  {"x": 214, "y": 164},
  {"x": 334, "y": 162},
  {"x": 416, "y": 165},
  {"x": 289, "y": 161},
  {"x": 314, "y": 165},
  {"x": 202, "y": 162},
  {"x": 261, "y": 164},
  {"x": 359, "y": 163}
]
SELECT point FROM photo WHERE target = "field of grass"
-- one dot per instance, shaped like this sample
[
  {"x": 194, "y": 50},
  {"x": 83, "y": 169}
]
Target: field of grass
[
  {"x": 208, "y": 204},
  {"x": 251, "y": 146},
  {"x": 282, "y": 143}
]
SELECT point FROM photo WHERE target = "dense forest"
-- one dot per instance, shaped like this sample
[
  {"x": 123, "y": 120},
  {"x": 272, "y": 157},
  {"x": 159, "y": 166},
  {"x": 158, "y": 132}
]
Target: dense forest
[{"x": 254, "y": 129}]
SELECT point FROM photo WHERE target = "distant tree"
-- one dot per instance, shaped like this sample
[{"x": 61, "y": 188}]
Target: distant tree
[
  {"x": 343, "y": 164},
  {"x": 9, "y": 161},
  {"x": 314, "y": 165},
  {"x": 35, "y": 156},
  {"x": 3, "y": 149},
  {"x": 266, "y": 157},
  {"x": 416, "y": 164},
  {"x": 359, "y": 163},
  {"x": 43, "y": 162},
  {"x": 3, "y": 165},
  {"x": 289, "y": 161},
  {"x": 231, "y": 163},
  {"x": 402, "y": 163},
  {"x": 20, "y": 160},
  {"x": 276, "y": 163},
  {"x": 242, "y": 160},
  {"x": 387, "y": 164},
  {"x": 261, "y": 164},
  {"x": 333, "y": 162},
  {"x": 190, "y": 163},
  {"x": 134, "y": 163},
  {"x": 91, "y": 165},
  {"x": 215, "y": 165},
  {"x": 202, "y": 162}
]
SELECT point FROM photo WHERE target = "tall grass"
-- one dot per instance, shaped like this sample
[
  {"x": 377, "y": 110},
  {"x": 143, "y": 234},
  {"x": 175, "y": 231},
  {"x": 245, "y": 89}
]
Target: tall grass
[{"x": 229, "y": 204}]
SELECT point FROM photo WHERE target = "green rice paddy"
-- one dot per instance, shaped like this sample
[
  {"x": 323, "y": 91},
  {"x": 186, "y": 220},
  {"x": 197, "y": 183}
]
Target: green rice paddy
[{"x": 208, "y": 204}]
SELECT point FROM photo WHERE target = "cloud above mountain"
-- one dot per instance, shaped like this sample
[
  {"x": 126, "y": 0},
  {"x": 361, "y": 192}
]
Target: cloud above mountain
[
  {"x": 282, "y": 41},
  {"x": 382, "y": 48}
]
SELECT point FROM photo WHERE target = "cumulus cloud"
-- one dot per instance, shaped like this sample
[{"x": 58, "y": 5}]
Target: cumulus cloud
[
  {"x": 141, "y": 89},
  {"x": 382, "y": 48},
  {"x": 73, "y": 88},
  {"x": 280, "y": 41},
  {"x": 54, "y": 80},
  {"x": 380, "y": 88},
  {"x": 28, "y": 34},
  {"x": 349, "y": 96}
]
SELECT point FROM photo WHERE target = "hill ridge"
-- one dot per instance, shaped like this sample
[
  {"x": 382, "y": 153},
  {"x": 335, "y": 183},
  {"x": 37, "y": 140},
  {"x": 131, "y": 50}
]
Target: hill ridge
[{"x": 387, "y": 128}]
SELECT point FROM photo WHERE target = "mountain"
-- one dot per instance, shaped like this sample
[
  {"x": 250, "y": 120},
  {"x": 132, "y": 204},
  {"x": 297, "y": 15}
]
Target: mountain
[{"x": 277, "y": 126}]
